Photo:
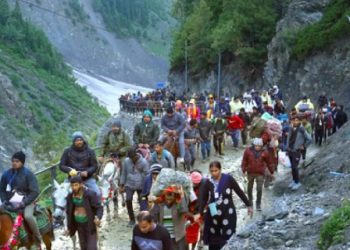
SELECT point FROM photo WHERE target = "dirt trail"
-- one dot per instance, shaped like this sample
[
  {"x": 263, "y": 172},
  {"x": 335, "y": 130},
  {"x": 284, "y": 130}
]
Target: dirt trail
[{"x": 115, "y": 235}]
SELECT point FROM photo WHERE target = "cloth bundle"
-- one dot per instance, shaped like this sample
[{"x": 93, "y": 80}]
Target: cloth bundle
[
  {"x": 274, "y": 128},
  {"x": 169, "y": 177}
]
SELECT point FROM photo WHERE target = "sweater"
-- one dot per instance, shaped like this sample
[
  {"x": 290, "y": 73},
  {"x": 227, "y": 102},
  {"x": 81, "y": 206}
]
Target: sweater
[{"x": 133, "y": 174}]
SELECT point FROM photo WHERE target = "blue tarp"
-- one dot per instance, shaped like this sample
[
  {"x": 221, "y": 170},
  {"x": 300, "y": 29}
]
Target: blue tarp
[{"x": 160, "y": 85}]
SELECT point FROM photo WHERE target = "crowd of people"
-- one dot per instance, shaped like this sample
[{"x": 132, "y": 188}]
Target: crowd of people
[{"x": 188, "y": 206}]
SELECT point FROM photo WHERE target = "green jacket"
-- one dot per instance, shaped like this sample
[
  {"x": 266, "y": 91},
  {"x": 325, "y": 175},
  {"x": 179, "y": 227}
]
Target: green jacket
[
  {"x": 116, "y": 143},
  {"x": 146, "y": 133}
]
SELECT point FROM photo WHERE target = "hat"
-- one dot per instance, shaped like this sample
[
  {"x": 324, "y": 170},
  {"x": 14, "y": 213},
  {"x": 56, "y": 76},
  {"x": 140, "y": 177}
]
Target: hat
[
  {"x": 116, "y": 123},
  {"x": 192, "y": 101},
  {"x": 76, "y": 135},
  {"x": 257, "y": 142},
  {"x": 170, "y": 110},
  {"x": 19, "y": 156},
  {"x": 147, "y": 113},
  {"x": 196, "y": 177},
  {"x": 211, "y": 96},
  {"x": 76, "y": 179},
  {"x": 275, "y": 86},
  {"x": 156, "y": 168}
]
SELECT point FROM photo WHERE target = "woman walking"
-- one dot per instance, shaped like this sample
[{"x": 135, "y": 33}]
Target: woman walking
[{"x": 220, "y": 219}]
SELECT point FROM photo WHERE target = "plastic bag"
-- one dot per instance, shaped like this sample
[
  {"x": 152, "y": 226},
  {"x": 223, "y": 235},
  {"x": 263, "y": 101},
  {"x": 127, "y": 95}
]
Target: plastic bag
[
  {"x": 266, "y": 116},
  {"x": 284, "y": 160}
]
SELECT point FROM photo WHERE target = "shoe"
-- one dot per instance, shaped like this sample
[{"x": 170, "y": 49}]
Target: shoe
[
  {"x": 258, "y": 208},
  {"x": 131, "y": 223},
  {"x": 291, "y": 184},
  {"x": 181, "y": 160},
  {"x": 204, "y": 160},
  {"x": 296, "y": 186}
]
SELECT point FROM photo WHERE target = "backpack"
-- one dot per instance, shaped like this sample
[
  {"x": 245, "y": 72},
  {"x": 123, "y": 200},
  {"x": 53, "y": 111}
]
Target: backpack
[{"x": 258, "y": 126}]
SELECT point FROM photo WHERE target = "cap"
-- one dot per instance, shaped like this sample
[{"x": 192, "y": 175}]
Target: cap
[{"x": 257, "y": 142}]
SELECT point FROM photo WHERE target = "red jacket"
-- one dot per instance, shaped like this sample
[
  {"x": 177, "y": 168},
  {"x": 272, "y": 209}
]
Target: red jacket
[
  {"x": 256, "y": 162},
  {"x": 235, "y": 122}
]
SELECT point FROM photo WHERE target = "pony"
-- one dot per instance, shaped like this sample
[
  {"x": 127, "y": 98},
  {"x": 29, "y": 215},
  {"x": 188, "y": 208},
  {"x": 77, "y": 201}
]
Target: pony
[
  {"x": 108, "y": 177},
  {"x": 172, "y": 145},
  {"x": 9, "y": 238}
]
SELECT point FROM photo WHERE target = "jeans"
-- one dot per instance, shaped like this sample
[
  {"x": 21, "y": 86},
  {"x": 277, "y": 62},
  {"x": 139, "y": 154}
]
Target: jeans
[
  {"x": 92, "y": 185},
  {"x": 244, "y": 135},
  {"x": 235, "y": 133},
  {"x": 129, "y": 196},
  {"x": 31, "y": 221},
  {"x": 87, "y": 239},
  {"x": 319, "y": 136},
  {"x": 190, "y": 156},
  {"x": 259, "y": 179},
  {"x": 294, "y": 160},
  {"x": 182, "y": 144},
  {"x": 205, "y": 148},
  {"x": 218, "y": 140}
]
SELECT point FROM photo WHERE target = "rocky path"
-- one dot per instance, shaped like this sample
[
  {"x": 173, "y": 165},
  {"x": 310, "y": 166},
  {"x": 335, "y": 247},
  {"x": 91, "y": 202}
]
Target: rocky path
[{"x": 115, "y": 235}]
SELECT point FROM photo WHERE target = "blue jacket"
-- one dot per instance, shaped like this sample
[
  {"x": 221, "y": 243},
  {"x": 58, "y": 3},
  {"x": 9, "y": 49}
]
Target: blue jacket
[
  {"x": 23, "y": 181},
  {"x": 167, "y": 159}
]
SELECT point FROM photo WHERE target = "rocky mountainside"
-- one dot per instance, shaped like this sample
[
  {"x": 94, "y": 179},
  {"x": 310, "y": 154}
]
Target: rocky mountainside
[
  {"x": 323, "y": 69},
  {"x": 317, "y": 215},
  {"x": 41, "y": 105},
  {"x": 84, "y": 41}
]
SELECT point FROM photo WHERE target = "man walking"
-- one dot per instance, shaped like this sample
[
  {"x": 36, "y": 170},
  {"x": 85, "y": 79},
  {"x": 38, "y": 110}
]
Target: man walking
[
  {"x": 134, "y": 170},
  {"x": 84, "y": 214},
  {"x": 254, "y": 164},
  {"x": 147, "y": 235},
  {"x": 205, "y": 128},
  {"x": 297, "y": 140}
]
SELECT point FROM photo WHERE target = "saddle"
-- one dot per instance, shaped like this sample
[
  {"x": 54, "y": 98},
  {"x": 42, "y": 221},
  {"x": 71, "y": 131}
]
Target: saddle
[{"x": 42, "y": 216}]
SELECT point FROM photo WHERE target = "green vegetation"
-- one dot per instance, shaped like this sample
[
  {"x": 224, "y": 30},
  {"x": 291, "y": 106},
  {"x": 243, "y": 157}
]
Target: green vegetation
[
  {"x": 334, "y": 25},
  {"x": 76, "y": 12},
  {"x": 50, "y": 105},
  {"x": 138, "y": 19},
  {"x": 332, "y": 231},
  {"x": 239, "y": 29}
]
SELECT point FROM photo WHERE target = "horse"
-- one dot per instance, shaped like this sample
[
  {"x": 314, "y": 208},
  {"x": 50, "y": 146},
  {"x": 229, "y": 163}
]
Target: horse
[
  {"x": 60, "y": 194},
  {"x": 108, "y": 177},
  {"x": 172, "y": 145},
  {"x": 6, "y": 233}
]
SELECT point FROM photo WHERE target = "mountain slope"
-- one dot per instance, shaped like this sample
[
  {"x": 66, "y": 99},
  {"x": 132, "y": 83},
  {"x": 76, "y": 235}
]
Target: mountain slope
[
  {"x": 84, "y": 42},
  {"x": 40, "y": 103}
]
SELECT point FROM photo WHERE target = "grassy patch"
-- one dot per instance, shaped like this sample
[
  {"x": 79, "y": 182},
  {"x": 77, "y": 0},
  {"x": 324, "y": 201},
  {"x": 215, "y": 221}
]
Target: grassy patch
[
  {"x": 332, "y": 231},
  {"x": 334, "y": 25}
]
